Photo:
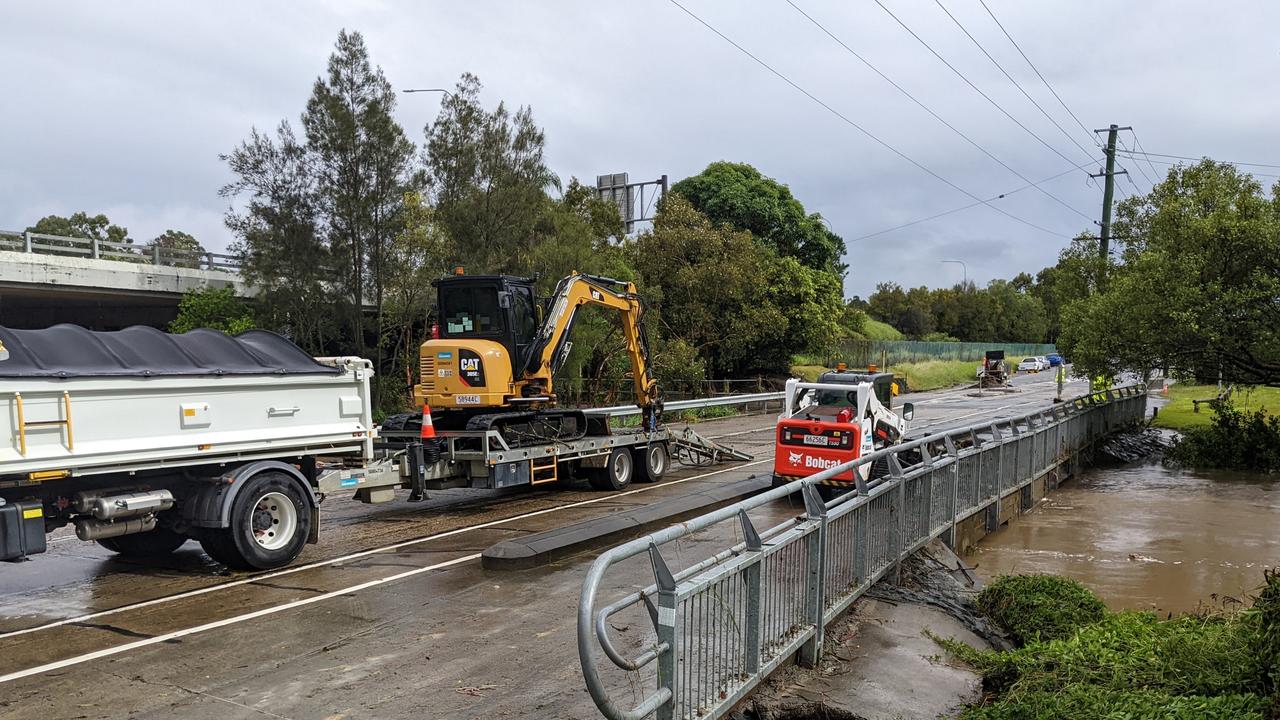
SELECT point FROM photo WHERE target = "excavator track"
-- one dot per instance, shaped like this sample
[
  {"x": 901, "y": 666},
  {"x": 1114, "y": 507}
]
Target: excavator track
[{"x": 533, "y": 427}]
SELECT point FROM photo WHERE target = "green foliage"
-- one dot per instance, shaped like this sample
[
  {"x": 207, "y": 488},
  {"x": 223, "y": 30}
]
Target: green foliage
[
  {"x": 740, "y": 195},
  {"x": 488, "y": 178},
  {"x": 1134, "y": 665},
  {"x": 1040, "y": 607},
  {"x": 213, "y": 308},
  {"x": 177, "y": 248},
  {"x": 279, "y": 239},
  {"x": 1087, "y": 701},
  {"x": 705, "y": 285},
  {"x": 1004, "y": 311},
  {"x": 934, "y": 374},
  {"x": 1195, "y": 291},
  {"x": 876, "y": 330},
  {"x": 1180, "y": 413},
  {"x": 362, "y": 165},
  {"x": 1234, "y": 440},
  {"x": 81, "y": 225}
]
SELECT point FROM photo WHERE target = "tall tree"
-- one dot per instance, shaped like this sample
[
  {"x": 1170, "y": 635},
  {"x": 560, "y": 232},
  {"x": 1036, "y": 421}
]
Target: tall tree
[
  {"x": 80, "y": 225},
  {"x": 1197, "y": 287},
  {"x": 739, "y": 194},
  {"x": 488, "y": 177},
  {"x": 177, "y": 248},
  {"x": 705, "y": 284},
  {"x": 363, "y": 165},
  {"x": 279, "y": 241}
]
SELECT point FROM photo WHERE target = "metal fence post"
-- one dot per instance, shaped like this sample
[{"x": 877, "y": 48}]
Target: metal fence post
[
  {"x": 815, "y": 510},
  {"x": 896, "y": 512},
  {"x": 667, "y": 630},
  {"x": 955, "y": 490},
  {"x": 751, "y": 576},
  {"x": 95, "y": 250}
]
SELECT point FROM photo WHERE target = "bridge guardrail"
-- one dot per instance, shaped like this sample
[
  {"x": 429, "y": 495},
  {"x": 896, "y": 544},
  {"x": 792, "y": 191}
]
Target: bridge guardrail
[
  {"x": 94, "y": 248},
  {"x": 719, "y": 626},
  {"x": 715, "y": 400}
]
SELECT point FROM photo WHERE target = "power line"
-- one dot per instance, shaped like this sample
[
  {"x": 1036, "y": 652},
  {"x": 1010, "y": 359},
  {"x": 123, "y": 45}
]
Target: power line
[
  {"x": 1125, "y": 148},
  {"x": 1197, "y": 159},
  {"x": 929, "y": 110},
  {"x": 944, "y": 213},
  {"x": 1039, "y": 75},
  {"x": 1138, "y": 142},
  {"x": 1134, "y": 155},
  {"x": 1011, "y": 78},
  {"x": 856, "y": 126},
  {"x": 967, "y": 81}
]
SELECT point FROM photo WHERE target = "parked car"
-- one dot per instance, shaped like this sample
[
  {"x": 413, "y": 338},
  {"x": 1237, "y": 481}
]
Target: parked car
[
  {"x": 1032, "y": 364},
  {"x": 1055, "y": 359}
]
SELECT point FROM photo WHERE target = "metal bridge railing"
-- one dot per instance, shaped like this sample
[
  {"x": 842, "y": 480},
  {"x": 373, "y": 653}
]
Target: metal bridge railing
[
  {"x": 96, "y": 249},
  {"x": 712, "y": 631}
]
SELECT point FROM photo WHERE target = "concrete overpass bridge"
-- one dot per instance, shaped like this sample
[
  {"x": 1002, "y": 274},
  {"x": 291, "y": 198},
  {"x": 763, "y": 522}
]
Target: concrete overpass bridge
[{"x": 100, "y": 284}]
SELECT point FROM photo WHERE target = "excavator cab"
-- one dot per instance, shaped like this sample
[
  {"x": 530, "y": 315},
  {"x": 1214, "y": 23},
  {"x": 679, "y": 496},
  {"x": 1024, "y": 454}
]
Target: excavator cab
[
  {"x": 500, "y": 308},
  {"x": 488, "y": 327}
]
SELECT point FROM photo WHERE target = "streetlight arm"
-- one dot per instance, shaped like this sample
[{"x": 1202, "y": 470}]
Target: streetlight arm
[{"x": 418, "y": 90}]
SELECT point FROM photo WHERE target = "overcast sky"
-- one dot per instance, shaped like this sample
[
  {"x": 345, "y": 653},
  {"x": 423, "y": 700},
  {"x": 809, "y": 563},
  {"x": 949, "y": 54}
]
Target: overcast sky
[{"x": 123, "y": 107}]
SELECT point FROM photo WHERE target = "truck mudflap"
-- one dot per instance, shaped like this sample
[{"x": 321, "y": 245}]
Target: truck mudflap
[{"x": 211, "y": 506}]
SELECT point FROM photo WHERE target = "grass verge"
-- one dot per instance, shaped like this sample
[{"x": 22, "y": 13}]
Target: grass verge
[
  {"x": 1179, "y": 414},
  {"x": 921, "y": 376}
]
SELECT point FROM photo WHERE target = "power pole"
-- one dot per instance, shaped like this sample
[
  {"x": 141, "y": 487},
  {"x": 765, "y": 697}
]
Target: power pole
[{"x": 1109, "y": 187}]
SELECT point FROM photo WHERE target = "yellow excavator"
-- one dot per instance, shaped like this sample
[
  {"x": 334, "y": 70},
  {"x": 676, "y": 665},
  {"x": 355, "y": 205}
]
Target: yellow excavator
[{"x": 495, "y": 350}]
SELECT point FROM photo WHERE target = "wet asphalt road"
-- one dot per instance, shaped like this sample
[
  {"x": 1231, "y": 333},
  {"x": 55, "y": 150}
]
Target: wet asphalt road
[{"x": 390, "y": 615}]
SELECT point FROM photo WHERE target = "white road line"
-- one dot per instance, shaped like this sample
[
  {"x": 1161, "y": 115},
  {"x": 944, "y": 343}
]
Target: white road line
[
  {"x": 108, "y": 652},
  {"x": 363, "y": 553}
]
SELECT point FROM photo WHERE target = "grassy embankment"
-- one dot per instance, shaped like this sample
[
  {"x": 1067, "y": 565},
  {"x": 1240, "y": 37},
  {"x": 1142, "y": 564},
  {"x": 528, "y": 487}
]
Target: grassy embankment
[
  {"x": 1075, "y": 659},
  {"x": 921, "y": 376},
  {"x": 1179, "y": 414}
]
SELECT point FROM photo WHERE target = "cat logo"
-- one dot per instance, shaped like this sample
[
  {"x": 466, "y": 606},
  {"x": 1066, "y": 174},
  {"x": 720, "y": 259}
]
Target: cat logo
[
  {"x": 470, "y": 364},
  {"x": 595, "y": 295}
]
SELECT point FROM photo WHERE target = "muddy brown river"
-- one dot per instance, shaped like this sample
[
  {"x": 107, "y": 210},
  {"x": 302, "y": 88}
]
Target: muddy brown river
[{"x": 1147, "y": 537}]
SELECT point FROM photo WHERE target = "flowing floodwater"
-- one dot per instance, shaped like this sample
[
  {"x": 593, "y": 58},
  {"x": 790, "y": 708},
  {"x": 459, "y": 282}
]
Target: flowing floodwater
[{"x": 1147, "y": 537}]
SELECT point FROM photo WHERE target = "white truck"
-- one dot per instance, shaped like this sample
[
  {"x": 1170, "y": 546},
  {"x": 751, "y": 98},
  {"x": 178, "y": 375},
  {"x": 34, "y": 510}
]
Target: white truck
[{"x": 143, "y": 440}]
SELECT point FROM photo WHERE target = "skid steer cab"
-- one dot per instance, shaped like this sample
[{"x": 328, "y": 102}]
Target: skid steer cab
[{"x": 842, "y": 417}]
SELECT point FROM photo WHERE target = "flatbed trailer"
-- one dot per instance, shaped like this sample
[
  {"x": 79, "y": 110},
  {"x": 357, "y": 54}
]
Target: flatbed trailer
[{"x": 144, "y": 440}]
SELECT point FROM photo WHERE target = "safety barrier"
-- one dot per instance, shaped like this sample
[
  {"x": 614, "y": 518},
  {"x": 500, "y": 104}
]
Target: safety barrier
[
  {"x": 713, "y": 630},
  {"x": 97, "y": 249}
]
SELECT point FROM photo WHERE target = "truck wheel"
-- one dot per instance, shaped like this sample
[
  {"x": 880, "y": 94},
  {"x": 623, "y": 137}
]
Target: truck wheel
[
  {"x": 616, "y": 473},
  {"x": 155, "y": 543},
  {"x": 270, "y": 522},
  {"x": 651, "y": 462}
]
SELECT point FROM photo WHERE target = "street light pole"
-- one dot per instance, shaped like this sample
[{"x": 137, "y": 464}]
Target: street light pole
[{"x": 963, "y": 267}]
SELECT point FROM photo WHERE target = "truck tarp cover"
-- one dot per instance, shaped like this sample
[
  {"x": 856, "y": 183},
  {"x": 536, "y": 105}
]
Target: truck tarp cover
[{"x": 65, "y": 351}]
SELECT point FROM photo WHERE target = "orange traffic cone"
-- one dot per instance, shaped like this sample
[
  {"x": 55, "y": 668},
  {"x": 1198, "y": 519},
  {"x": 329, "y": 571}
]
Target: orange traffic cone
[{"x": 428, "y": 430}]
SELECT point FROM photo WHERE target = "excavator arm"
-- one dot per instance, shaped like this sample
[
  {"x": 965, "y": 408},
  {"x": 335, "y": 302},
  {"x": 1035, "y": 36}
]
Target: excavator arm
[{"x": 553, "y": 342}]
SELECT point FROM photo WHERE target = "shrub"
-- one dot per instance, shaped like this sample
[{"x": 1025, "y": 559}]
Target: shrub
[
  {"x": 1235, "y": 440},
  {"x": 1040, "y": 607},
  {"x": 1086, "y": 701}
]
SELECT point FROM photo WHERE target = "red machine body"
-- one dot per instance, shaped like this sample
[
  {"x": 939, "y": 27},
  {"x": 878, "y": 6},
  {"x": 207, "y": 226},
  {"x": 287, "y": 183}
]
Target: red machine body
[{"x": 809, "y": 445}]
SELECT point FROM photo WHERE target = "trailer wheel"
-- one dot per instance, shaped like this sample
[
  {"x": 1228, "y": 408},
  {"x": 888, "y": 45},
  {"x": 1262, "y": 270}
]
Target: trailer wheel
[
  {"x": 616, "y": 473},
  {"x": 270, "y": 523},
  {"x": 651, "y": 462},
  {"x": 155, "y": 543}
]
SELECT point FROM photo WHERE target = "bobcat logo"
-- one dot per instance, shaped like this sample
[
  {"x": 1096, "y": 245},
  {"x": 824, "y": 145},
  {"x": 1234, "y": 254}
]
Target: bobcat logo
[{"x": 795, "y": 458}]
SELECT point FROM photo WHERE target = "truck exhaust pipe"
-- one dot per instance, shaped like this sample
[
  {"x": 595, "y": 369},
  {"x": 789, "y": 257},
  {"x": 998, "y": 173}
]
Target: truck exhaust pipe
[
  {"x": 119, "y": 507},
  {"x": 92, "y": 529}
]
